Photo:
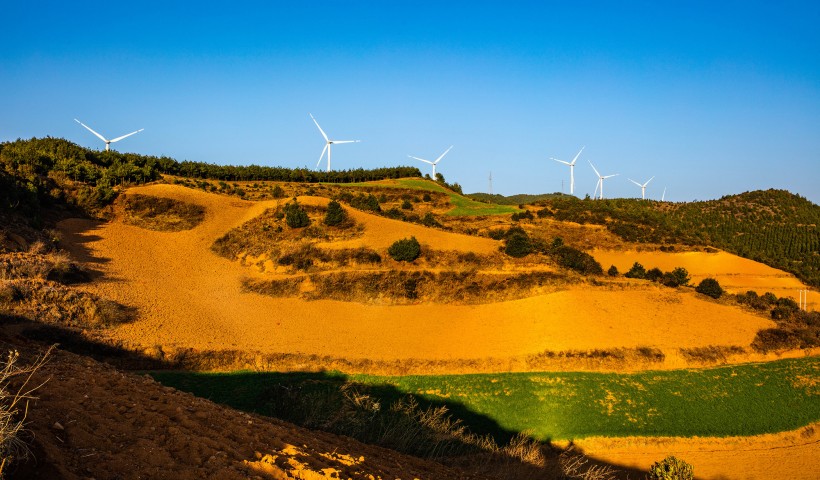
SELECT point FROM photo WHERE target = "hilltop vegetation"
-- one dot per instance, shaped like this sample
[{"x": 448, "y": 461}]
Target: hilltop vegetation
[
  {"x": 44, "y": 172},
  {"x": 774, "y": 227},
  {"x": 517, "y": 199}
]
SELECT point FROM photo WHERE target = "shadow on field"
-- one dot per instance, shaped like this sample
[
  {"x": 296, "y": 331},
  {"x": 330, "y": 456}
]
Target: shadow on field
[{"x": 444, "y": 430}]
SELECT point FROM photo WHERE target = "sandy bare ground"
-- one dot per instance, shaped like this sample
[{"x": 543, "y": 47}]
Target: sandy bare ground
[
  {"x": 794, "y": 455},
  {"x": 189, "y": 297},
  {"x": 735, "y": 274}
]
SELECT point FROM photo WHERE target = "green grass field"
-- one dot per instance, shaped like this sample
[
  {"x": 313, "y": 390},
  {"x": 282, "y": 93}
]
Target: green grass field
[{"x": 735, "y": 400}]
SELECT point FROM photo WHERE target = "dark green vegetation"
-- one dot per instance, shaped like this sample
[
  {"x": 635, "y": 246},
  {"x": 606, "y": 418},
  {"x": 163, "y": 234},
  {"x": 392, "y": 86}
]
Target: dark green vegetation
[
  {"x": 735, "y": 400},
  {"x": 335, "y": 214},
  {"x": 164, "y": 214},
  {"x": 796, "y": 329},
  {"x": 678, "y": 277},
  {"x": 710, "y": 287},
  {"x": 295, "y": 216},
  {"x": 405, "y": 250},
  {"x": 773, "y": 226}
]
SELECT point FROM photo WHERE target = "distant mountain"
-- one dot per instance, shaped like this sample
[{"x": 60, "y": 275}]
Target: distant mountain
[{"x": 518, "y": 199}]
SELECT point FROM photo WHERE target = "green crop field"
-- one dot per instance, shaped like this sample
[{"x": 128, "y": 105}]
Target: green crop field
[{"x": 734, "y": 400}]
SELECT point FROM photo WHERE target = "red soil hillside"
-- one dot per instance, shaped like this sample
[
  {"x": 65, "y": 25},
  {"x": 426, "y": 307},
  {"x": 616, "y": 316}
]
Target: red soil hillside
[
  {"x": 187, "y": 296},
  {"x": 92, "y": 421}
]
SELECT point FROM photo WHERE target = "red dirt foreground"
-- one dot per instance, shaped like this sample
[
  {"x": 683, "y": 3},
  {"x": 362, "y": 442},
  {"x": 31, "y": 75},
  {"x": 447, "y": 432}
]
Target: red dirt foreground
[{"x": 92, "y": 421}]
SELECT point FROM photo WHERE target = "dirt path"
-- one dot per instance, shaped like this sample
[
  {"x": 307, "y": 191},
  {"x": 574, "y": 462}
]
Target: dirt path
[{"x": 189, "y": 297}]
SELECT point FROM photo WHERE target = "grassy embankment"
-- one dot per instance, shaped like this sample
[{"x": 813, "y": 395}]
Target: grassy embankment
[
  {"x": 734, "y": 400},
  {"x": 463, "y": 206}
]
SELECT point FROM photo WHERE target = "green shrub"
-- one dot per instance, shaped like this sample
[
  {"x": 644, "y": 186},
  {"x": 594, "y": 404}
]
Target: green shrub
[
  {"x": 429, "y": 220},
  {"x": 613, "y": 271},
  {"x": 406, "y": 205},
  {"x": 709, "y": 286},
  {"x": 366, "y": 202},
  {"x": 277, "y": 192},
  {"x": 295, "y": 217},
  {"x": 518, "y": 244},
  {"x": 678, "y": 277},
  {"x": 426, "y": 197},
  {"x": 405, "y": 250},
  {"x": 670, "y": 468},
  {"x": 577, "y": 260},
  {"x": 496, "y": 234},
  {"x": 637, "y": 271},
  {"x": 653, "y": 274},
  {"x": 335, "y": 214}
]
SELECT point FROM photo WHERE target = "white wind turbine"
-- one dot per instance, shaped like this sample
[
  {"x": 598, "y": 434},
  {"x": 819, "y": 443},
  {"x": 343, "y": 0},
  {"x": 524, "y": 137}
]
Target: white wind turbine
[
  {"x": 600, "y": 181},
  {"x": 643, "y": 187},
  {"x": 663, "y": 197},
  {"x": 571, "y": 169},
  {"x": 107, "y": 142},
  {"x": 328, "y": 143},
  {"x": 433, "y": 163}
]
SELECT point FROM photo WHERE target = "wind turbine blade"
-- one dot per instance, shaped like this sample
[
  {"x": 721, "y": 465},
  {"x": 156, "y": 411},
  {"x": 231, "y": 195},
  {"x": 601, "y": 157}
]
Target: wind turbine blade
[
  {"x": 92, "y": 131},
  {"x": 647, "y": 182},
  {"x": 579, "y": 154},
  {"x": 422, "y": 160},
  {"x": 565, "y": 163},
  {"x": 636, "y": 183},
  {"x": 320, "y": 128},
  {"x": 345, "y": 141},
  {"x": 120, "y": 138},
  {"x": 443, "y": 154},
  {"x": 613, "y": 175},
  {"x": 593, "y": 167},
  {"x": 322, "y": 155}
]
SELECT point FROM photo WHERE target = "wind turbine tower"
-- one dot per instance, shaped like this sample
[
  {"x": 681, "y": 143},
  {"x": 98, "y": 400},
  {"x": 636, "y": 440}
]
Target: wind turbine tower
[
  {"x": 643, "y": 187},
  {"x": 571, "y": 169},
  {"x": 328, "y": 143},
  {"x": 433, "y": 163},
  {"x": 600, "y": 181},
  {"x": 491, "y": 183},
  {"x": 107, "y": 142}
]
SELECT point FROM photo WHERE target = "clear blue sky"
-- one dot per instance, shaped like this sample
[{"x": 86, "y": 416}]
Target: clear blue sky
[{"x": 711, "y": 98}]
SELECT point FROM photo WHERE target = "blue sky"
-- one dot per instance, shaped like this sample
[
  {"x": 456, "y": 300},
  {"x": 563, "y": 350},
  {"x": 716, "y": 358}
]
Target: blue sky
[{"x": 712, "y": 98}]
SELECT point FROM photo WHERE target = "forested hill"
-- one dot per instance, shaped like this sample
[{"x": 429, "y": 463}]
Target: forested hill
[
  {"x": 46, "y": 171},
  {"x": 775, "y": 227},
  {"x": 517, "y": 199}
]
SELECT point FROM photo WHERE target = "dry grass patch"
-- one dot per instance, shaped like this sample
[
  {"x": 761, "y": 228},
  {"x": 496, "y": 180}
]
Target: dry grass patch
[
  {"x": 712, "y": 354},
  {"x": 161, "y": 214},
  {"x": 409, "y": 287},
  {"x": 269, "y": 233}
]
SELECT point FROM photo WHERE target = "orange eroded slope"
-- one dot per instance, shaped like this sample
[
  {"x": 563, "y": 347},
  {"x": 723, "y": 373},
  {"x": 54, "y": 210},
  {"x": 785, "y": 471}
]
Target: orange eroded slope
[
  {"x": 735, "y": 274},
  {"x": 190, "y": 297}
]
